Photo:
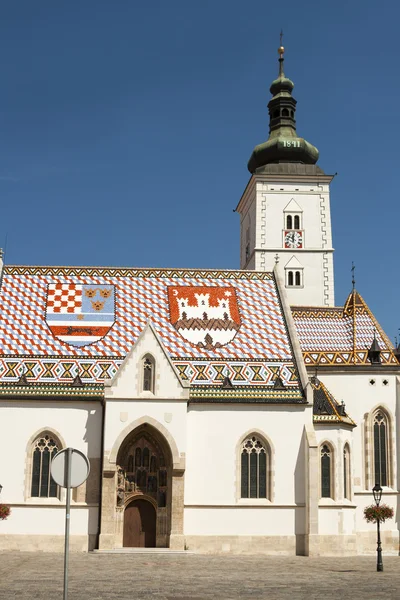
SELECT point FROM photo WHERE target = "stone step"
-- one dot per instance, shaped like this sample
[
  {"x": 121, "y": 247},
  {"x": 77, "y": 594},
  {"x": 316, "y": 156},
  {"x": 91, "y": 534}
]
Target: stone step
[{"x": 142, "y": 551}]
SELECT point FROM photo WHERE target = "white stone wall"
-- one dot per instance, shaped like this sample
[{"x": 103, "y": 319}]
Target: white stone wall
[
  {"x": 212, "y": 481},
  {"x": 262, "y": 208},
  {"x": 78, "y": 425},
  {"x": 361, "y": 398}
]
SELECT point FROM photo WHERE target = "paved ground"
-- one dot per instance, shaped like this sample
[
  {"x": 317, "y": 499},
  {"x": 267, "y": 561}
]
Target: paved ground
[{"x": 39, "y": 576}]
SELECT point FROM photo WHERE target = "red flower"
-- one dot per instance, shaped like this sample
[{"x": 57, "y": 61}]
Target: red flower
[
  {"x": 374, "y": 513},
  {"x": 5, "y": 511}
]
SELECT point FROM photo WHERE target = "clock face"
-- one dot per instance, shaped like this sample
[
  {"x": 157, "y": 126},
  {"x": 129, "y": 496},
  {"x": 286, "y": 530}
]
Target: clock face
[{"x": 293, "y": 239}]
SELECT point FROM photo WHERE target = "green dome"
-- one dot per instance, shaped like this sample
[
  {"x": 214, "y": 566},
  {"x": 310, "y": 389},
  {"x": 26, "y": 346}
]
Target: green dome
[{"x": 283, "y": 144}]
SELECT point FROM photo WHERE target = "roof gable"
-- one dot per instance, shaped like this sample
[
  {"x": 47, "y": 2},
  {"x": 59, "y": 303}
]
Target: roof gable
[
  {"x": 293, "y": 206},
  {"x": 341, "y": 335}
]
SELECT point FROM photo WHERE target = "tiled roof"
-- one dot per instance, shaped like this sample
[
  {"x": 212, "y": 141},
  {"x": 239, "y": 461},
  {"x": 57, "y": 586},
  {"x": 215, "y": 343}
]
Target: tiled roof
[
  {"x": 340, "y": 335},
  {"x": 58, "y": 321},
  {"x": 325, "y": 408}
]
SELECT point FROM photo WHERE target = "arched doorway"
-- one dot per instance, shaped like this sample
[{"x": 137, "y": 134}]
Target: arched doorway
[
  {"x": 144, "y": 473},
  {"x": 140, "y": 524}
]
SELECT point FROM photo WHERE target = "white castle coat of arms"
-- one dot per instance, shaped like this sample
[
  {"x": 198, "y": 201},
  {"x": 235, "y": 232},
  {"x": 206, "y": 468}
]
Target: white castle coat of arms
[{"x": 207, "y": 317}]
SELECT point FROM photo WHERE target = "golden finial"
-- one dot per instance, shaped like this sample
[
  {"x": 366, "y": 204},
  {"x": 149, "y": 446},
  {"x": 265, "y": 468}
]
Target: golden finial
[{"x": 281, "y": 49}]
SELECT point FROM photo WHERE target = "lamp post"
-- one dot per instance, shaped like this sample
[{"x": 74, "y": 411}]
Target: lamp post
[{"x": 377, "y": 492}]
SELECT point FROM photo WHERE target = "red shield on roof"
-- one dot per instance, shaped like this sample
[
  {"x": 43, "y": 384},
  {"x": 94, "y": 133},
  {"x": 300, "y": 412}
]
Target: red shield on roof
[
  {"x": 205, "y": 316},
  {"x": 79, "y": 314}
]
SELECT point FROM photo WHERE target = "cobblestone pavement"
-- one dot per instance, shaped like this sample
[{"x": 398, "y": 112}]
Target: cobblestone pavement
[{"x": 39, "y": 576}]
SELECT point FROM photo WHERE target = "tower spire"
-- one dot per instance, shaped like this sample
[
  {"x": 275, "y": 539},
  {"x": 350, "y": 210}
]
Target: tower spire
[
  {"x": 281, "y": 52},
  {"x": 283, "y": 144}
]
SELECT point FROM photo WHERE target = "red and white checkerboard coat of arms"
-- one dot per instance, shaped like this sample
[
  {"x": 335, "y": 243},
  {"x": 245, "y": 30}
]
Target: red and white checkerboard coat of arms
[
  {"x": 207, "y": 317},
  {"x": 80, "y": 314}
]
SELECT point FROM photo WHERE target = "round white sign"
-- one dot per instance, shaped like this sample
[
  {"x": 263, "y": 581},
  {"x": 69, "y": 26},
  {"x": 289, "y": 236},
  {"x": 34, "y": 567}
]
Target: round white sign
[{"x": 80, "y": 468}]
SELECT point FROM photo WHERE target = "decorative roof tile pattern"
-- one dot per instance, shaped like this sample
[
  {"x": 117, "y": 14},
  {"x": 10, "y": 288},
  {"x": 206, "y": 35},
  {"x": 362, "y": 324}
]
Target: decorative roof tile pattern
[
  {"x": 325, "y": 408},
  {"x": 340, "y": 336},
  {"x": 56, "y": 322}
]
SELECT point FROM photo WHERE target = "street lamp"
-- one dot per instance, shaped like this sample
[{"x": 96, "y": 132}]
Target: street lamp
[{"x": 377, "y": 492}]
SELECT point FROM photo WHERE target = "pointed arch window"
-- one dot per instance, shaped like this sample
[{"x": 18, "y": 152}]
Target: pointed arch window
[
  {"x": 44, "y": 449},
  {"x": 326, "y": 471},
  {"x": 148, "y": 373},
  {"x": 346, "y": 473},
  {"x": 380, "y": 428},
  {"x": 255, "y": 466}
]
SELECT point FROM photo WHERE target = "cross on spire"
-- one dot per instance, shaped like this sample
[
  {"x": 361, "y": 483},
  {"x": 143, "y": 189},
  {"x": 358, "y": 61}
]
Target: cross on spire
[
  {"x": 353, "y": 280},
  {"x": 281, "y": 37}
]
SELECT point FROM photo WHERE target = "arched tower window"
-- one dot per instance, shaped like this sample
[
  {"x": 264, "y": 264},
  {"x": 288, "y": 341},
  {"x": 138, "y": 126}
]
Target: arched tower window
[
  {"x": 44, "y": 449},
  {"x": 148, "y": 373},
  {"x": 380, "y": 427},
  {"x": 255, "y": 466},
  {"x": 346, "y": 472},
  {"x": 326, "y": 471},
  {"x": 289, "y": 222},
  {"x": 296, "y": 222},
  {"x": 290, "y": 278}
]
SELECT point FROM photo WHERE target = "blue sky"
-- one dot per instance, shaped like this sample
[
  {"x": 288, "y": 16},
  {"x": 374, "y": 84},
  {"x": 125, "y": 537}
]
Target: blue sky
[{"x": 125, "y": 129}]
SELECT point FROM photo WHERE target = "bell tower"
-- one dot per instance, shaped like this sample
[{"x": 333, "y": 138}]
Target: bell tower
[{"x": 285, "y": 208}]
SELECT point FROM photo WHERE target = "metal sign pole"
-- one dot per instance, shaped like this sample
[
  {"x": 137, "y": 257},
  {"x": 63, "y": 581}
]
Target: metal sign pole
[{"x": 68, "y": 460}]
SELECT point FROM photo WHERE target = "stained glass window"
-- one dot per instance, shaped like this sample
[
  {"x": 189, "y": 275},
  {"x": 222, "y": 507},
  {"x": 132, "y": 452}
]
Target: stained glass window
[
  {"x": 43, "y": 485},
  {"x": 326, "y": 472},
  {"x": 380, "y": 449},
  {"x": 253, "y": 469}
]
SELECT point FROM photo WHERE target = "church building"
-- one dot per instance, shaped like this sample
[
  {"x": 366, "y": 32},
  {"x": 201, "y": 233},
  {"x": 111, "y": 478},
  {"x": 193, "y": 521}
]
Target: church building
[{"x": 238, "y": 411}]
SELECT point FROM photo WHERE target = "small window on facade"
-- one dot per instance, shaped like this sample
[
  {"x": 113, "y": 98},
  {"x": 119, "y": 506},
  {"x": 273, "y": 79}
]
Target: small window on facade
[
  {"x": 326, "y": 472},
  {"x": 380, "y": 449},
  {"x": 346, "y": 472},
  {"x": 296, "y": 222},
  {"x": 285, "y": 112},
  {"x": 148, "y": 374},
  {"x": 43, "y": 485},
  {"x": 289, "y": 222},
  {"x": 290, "y": 278},
  {"x": 247, "y": 252},
  {"x": 298, "y": 278},
  {"x": 254, "y": 464}
]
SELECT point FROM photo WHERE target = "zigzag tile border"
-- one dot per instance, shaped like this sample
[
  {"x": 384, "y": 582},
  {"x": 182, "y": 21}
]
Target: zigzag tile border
[
  {"x": 199, "y": 373},
  {"x": 93, "y": 370},
  {"x": 131, "y": 272},
  {"x": 345, "y": 358}
]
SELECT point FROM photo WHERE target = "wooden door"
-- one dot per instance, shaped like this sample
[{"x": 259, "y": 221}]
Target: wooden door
[{"x": 140, "y": 525}]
